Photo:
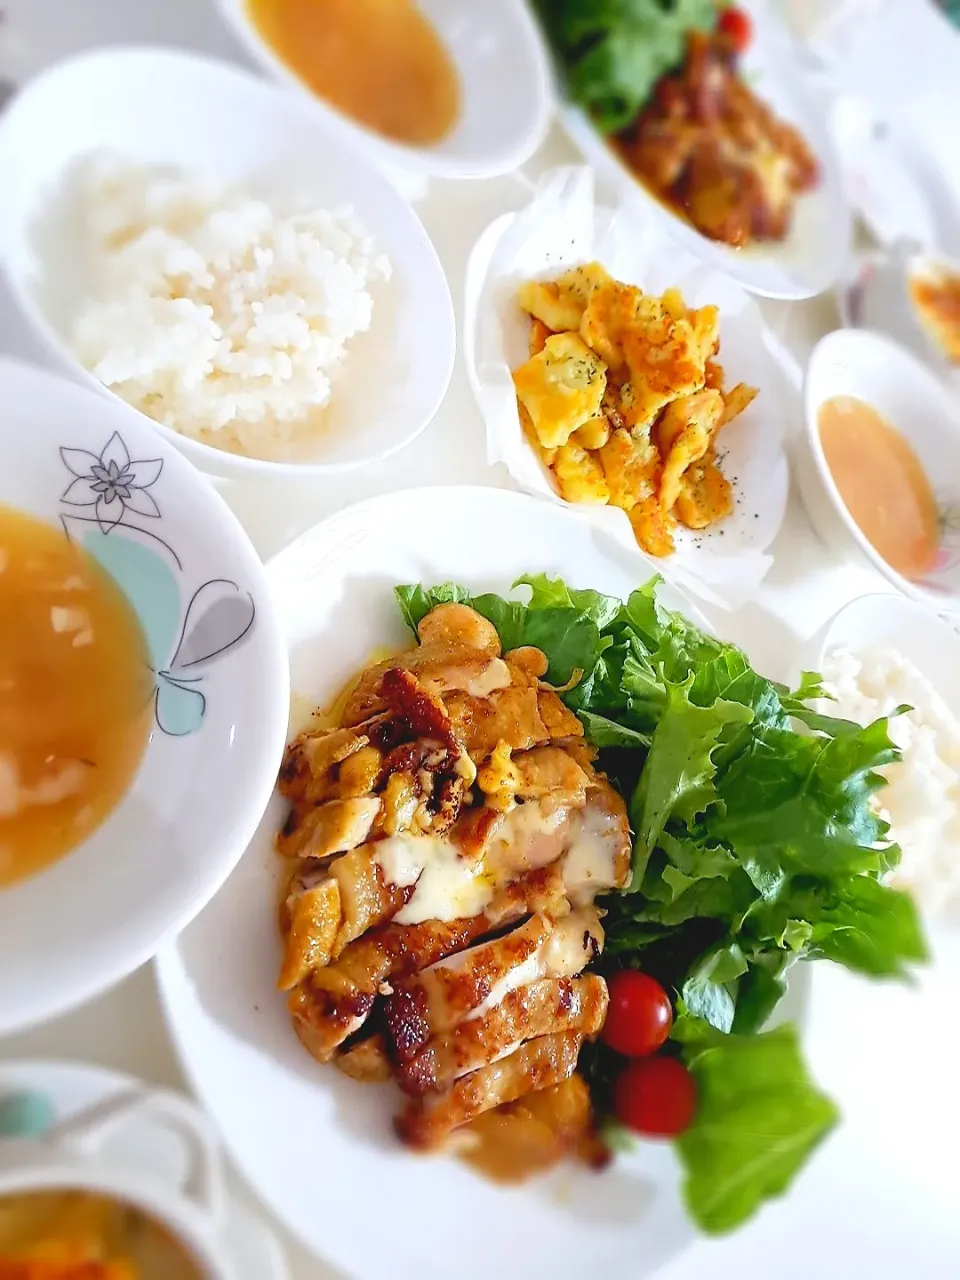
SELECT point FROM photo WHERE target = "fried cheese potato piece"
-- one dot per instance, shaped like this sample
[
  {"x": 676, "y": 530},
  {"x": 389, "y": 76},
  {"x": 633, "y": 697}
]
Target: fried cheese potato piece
[
  {"x": 580, "y": 475},
  {"x": 561, "y": 388},
  {"x": 705, "y": 494},
  {"x": 683, "y": 433}
]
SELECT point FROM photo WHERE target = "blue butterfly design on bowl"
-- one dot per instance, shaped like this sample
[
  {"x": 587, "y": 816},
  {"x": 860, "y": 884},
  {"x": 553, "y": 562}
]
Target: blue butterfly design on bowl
[{"x": 112, "y": 511}]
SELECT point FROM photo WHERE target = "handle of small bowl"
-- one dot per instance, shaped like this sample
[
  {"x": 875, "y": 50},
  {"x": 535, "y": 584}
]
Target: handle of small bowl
[{"x": 203, "y": 1184}]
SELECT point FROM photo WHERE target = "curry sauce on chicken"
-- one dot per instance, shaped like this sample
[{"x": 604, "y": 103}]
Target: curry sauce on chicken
[{"x": 447, "y": 839}]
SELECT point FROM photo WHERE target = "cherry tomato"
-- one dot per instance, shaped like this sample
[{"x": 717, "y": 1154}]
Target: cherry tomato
[
  {"x": 655, "y": 1097},
  {"x": 737, "y": 27},
  {"x": 640, "y": 1014}
]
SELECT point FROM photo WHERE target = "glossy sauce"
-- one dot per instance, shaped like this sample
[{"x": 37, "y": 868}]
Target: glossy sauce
[
  {"x": 378, "y": 61},
  {"x": 79, "y": 1226},
  {"x": 883, "y": 484},
  {"x": 75, "y": 689}
]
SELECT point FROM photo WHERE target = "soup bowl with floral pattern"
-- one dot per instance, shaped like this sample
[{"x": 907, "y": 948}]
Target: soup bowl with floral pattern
[{"x": 217, "y": 686}]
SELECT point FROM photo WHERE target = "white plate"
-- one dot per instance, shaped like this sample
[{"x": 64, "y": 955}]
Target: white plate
[
  {"x": 870, "y": 367},
  {"x": 221, "y": 689},
  {"x": 507, "y": 88},
  {"x": 813, "y": 255},
  {"x": 562, "y": 226},
  {"x": 65, "y": 1089},
  {"x": 164, "y": 107},
  {"x": 315, "y": 1144}
]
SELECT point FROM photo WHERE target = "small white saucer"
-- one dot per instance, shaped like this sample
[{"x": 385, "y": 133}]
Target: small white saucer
[{"x": 70, "y": 1087}]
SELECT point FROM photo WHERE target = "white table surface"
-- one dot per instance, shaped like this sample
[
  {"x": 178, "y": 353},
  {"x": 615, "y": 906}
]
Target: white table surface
[{"x": 882, "y": 1198}]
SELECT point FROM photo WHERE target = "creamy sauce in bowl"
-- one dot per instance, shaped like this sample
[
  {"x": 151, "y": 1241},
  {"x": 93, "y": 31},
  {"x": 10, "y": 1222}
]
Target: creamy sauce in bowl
[
  {"x": 882, "y": 483},
  {"x": 378, "y": 61}
]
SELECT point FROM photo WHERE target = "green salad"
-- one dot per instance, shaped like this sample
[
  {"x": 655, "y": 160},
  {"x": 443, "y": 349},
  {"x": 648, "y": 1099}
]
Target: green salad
[
  {"x": 757, "y": 843},
  {"x": 611, "y": 53}
]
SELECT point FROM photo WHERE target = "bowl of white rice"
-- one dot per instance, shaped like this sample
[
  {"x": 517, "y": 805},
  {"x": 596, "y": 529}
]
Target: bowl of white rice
[
  {"x": 880, "y": 653},
  {"x": 208, "y": 249}
]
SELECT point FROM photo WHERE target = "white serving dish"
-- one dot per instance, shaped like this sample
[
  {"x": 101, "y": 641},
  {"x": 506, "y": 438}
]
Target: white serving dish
[
  {"x": 333, "y": 587},
  {"x": 560, "y": 227},
  {"x": 166, "y": 107},
  {"x": 115, "y": 1128},
  {"x": 221, "y": 694},
  {"x": 892, "y": 621},
  {"x": 816, "y": 250},
  {"x": 867, "y": 365},
  {"x": 505, "y": 76}
]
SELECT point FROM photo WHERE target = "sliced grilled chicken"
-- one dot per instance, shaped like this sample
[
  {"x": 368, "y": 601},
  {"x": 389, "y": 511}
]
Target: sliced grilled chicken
[
  {"x": 309, "y": 759},
  {"x": 322, "y": 1021},
  {"x": 551, "y": 771},
  {"x": 438, "y": 998},
  {"x": 427, "y": 1122},
  {"x": 313, "y": 922},
  {"x": 334, "y": 827},
  {"x": 542, "y": 1008},
  {"x": 395, "y": 949},
  {"x": 366, "y": 1060},
  {"x": 599, "y": 853},
  {"x": 473, "y": 981}
]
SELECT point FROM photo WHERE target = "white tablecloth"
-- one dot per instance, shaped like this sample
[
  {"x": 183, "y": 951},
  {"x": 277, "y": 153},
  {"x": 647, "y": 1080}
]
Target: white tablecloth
[{"x": 882, "y": 1198}]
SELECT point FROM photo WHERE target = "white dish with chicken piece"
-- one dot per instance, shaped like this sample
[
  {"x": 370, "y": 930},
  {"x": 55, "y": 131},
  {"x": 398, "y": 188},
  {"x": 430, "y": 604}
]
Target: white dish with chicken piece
[
  {"x": 271, "y": 306},
  {"x": 560, "y": 229},
  {"x": 881, "y": 652},
  {"x": 814, "y": 253},
  {"x": 333, "y": 588}
]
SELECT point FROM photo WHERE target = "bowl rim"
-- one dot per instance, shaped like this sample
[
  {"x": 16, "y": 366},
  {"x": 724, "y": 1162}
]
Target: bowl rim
[
  {"x": 424, "y": 160},
  {"x": 206, "y": 457},
  {"x": 811, "y": 430},
  {"x": 919, "y": 616}
]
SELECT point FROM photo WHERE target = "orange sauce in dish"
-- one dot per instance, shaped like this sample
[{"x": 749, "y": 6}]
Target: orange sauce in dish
[
  {"x": 75, "y": 686},
  {"x": 378, "y": 61},
  {"x": 937, "y": 302},
  {"x": 882, "y": 483}
]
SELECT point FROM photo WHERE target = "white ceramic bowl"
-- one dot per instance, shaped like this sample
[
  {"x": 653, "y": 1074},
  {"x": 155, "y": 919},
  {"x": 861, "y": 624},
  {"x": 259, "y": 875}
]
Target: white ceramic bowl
[
  {"x": 69, "y": 1157},
  {"x": 161, "y": 106},
  {"x": 221, "y": 701},
  {"x": 857, "y": 362},
  {"x": 507, "y": 88},
  {"x": 813, "y": 255},
  {"x": 894, "y": 622}
]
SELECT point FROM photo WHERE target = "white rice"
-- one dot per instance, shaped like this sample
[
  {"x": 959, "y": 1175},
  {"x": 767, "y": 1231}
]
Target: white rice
[
  {"x": 922, "y": 798},
  {"x": 214, "y": 312}
]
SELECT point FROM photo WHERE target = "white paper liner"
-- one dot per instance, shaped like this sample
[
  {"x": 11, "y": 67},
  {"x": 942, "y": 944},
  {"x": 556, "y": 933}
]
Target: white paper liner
[{"x": 563, "y": 226}]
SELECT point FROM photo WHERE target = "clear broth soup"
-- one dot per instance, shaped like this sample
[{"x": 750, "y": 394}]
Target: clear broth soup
[
  {"x": 78, "y": 1235},
  {"x": 75, "y": 695}
]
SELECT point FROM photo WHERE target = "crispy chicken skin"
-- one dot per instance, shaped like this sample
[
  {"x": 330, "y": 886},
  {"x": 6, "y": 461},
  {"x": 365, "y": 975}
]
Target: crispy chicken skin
[{"x": 445, "y": 843}]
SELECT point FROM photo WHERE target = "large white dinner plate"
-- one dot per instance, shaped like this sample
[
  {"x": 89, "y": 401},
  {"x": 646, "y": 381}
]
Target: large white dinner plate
[
  {"x": 815, "y": 252},
  {"x": 318, "y": 1146}
]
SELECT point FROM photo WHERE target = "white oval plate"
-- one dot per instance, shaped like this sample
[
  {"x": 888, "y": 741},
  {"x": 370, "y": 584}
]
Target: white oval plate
[
  {"x": 315, "y": 1144},
  {"x": 163, "y": 107},
  {"x": 506, "y": 87},
  {"x": 559, "y": 228},
  {"x": 815, "y": 252}
]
